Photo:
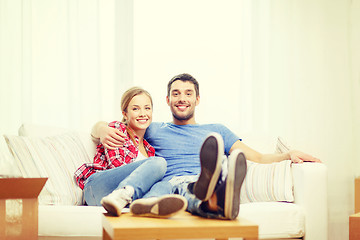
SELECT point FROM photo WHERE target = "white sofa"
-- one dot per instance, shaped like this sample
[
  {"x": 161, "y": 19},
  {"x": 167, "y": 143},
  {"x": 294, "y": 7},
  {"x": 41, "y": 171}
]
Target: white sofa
[{"x": 62, "y": 215}]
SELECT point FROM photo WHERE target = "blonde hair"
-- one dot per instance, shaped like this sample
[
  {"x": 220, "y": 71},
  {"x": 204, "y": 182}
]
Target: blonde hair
[{"x": 125, "y": 100}]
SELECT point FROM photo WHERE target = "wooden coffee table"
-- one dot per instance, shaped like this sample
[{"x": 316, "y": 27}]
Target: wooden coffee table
[{"x": 181, "y": 226}]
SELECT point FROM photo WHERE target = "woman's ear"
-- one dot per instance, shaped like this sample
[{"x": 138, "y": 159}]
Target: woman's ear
[{"x": 125, "y": 115}]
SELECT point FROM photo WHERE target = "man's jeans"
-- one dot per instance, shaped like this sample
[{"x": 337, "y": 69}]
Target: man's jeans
[
  {"x": 179, "y": 185},
  {"x": 141, "y": 175}
]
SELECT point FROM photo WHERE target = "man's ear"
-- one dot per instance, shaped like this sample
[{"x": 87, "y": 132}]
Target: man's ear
[
  {"x": 167, "y": 100},
  {"x": 197, "y": 100}
]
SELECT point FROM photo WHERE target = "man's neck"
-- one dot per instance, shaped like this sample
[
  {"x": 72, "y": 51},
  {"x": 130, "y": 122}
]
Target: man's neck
[{"x": 184, "y": 122}]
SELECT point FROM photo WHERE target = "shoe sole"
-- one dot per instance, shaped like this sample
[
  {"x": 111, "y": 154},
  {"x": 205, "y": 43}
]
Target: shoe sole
[
  {"x": 110, "y": 208},
  {"x": 211, "y": 153},
  {"x": 235, "y": 178},
  {"x": 162, "y": 207}
]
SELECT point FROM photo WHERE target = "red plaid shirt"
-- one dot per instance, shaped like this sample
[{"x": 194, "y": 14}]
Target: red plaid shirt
[{"x": 107, "y": 159}]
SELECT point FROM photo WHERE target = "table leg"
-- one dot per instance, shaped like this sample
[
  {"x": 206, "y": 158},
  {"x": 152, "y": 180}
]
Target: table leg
[
  {"x": 30, "y": 219},
  {"x": 106, "y": 235}
]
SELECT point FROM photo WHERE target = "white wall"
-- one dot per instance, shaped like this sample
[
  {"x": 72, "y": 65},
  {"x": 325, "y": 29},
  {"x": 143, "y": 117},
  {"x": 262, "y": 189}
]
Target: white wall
[
  {"x": 272, "y": 67},
  {"x": 198, "y": 37}
]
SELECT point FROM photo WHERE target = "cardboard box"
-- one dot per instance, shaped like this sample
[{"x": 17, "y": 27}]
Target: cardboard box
[
  {"x": 22, "y": 222},
  {"x": 354, "y": 227},
  {"x": 357, "y": 195}
]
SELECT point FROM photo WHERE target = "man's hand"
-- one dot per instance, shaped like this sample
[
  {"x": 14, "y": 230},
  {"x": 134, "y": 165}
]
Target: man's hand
[
  {"x": 300, "y": 157},
  {"x": 111, "y": 138},
  {"x": 294, "y": 155}
]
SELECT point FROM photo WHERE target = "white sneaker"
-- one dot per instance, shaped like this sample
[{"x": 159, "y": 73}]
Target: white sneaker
[
  {"x": 162, "y": 207},
  {"x": 117, "y": 200}
]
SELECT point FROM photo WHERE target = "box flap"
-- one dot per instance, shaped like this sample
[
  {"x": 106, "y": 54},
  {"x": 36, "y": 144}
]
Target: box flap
[{"x": 16, "y": 188}]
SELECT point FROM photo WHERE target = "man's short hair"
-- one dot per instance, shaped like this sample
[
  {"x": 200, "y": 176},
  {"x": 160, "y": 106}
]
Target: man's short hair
[{"x": 185, "y": 77}]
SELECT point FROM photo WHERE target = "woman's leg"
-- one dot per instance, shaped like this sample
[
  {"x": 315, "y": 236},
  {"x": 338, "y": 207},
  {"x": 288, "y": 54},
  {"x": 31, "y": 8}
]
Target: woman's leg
[
  {"x": 145, "y": 176},
  {"x": 159, "y": 189},
  {"x": 140, "y": 175}
]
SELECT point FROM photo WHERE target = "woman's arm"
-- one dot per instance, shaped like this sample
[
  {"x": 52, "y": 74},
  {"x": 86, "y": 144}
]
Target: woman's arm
[{"x": 293, "y": 155}]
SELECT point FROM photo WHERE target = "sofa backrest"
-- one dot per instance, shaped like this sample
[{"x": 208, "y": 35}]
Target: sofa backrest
[
  {"x": 33, "y": 130},
  {"x": 44, "y": 151}
]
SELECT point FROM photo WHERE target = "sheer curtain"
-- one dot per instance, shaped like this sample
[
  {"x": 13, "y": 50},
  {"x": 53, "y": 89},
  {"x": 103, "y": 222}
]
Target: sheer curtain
[
  {"x": 300, "y": 70},
  {"x": 63, "y": 63},
  {"x": 355, "y": 74}
]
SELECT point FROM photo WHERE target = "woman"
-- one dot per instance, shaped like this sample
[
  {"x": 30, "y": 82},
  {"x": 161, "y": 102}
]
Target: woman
[{"x": 120, "y": 175}]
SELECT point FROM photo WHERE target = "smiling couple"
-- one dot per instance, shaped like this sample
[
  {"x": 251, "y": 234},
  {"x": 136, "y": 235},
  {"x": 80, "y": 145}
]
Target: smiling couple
[{"x": 160, "y": 169}]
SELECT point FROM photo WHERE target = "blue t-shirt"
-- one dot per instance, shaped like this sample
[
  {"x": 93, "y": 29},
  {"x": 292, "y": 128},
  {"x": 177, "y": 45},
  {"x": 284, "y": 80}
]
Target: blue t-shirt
[{"x": 180, "y": 145}]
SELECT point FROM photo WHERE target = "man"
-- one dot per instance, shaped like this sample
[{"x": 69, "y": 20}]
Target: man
[{"x": 215, "y": 193}]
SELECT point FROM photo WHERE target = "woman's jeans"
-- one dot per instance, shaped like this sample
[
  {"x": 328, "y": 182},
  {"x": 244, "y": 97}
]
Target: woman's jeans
[{"x": 141, "y": 175}]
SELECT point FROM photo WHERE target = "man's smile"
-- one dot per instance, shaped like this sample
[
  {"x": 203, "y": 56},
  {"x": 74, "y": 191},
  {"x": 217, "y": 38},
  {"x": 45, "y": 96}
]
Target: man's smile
[{"x": 182, "y": 107}]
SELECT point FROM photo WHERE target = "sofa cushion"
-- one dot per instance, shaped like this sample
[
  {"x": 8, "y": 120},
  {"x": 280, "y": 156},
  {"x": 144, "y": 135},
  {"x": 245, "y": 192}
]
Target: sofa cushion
[
  {"x": 56, "y": 157},
  {"x": 281, "y": 146},
  {"x": 65, "y": 221},
  {"x": 268, "y": 182},
  {"x": 275, "y": 219}
]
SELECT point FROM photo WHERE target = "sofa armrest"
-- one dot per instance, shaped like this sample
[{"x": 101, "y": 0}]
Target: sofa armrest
[{"x": 310, "y": 192}]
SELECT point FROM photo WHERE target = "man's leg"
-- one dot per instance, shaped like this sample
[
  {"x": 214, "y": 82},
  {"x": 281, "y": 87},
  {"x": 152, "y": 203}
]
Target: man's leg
[
  {"x": 157, "y": 204},
  {"x": 225, "y": 201},
  {"x": 228, "y": 193}
]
